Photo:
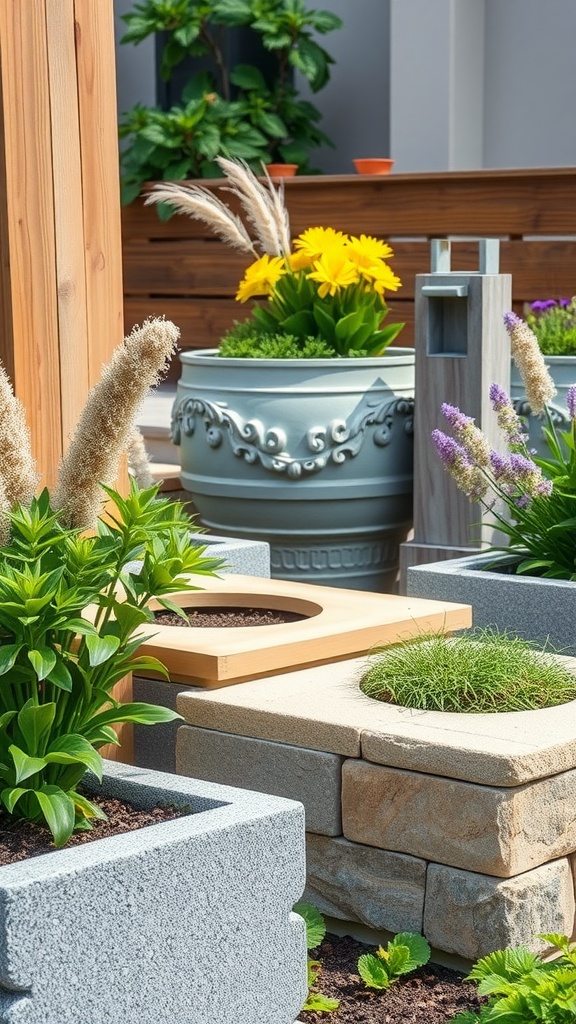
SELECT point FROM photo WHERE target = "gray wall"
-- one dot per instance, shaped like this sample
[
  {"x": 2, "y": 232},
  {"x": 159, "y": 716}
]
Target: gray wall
[
  {"x": 530, "y": 83},
  {"x": 135, "y": 72}
]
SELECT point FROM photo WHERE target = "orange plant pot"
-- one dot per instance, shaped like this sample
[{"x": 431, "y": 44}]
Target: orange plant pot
[
  {"x": 281, "y": 170},
  {"x": 373, "y": 165}
]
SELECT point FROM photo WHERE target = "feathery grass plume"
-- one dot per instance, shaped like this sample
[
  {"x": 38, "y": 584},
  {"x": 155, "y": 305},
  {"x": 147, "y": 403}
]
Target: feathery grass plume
[
  {"x": 106, "y": 424},
  {"x": 138, "y": 461},
  {"x": 5, "y": 528},
  {"x": 17, "y": 467},
  {"x": 264, "y": 207},
  {"x": 526, "y": 354},
  {"x": 200, "y": 204}
]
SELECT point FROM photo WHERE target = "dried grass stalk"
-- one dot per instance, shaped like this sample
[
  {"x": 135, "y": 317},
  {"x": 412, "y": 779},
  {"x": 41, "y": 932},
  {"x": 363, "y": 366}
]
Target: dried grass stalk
[
  {"x": 18, "y": 469},
  {"x": 539, "y": 386},
  {"x": 200, "y": 204},
  {"x": 264, "y": 207},
  {"x": 107, "y": 422},
  {"x": 138, "y": 461}
]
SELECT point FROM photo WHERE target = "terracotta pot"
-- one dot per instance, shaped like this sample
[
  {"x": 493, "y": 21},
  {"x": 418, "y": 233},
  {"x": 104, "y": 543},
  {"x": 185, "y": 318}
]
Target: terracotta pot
[
  {"x": 282, "y": 170},
  {"x": 375, "y": 165}
]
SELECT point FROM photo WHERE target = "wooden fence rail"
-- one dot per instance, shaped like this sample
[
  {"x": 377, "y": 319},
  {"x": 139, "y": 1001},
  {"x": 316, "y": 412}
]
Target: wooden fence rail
[{"x": 179, "y": 269}]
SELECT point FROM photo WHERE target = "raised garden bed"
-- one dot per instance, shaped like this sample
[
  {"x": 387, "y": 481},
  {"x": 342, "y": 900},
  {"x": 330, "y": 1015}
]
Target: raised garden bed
[{"x": 462, "y": 827}]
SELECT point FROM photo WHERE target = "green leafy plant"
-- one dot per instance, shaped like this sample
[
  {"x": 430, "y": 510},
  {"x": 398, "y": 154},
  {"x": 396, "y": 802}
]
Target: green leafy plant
[
  {"x": 554, "y": 324},
  {"x": 76, "y": 580},
  {"x": 315, "y": 932},
  {"x": 403, "y": 954},
  {"x": 479, "y": 672},
  {"x": 531, "y": 499},
  {"x": 324, "y": 293},
  {"x": 232, "y": 111},
  {"x": 522, "y": 989}
]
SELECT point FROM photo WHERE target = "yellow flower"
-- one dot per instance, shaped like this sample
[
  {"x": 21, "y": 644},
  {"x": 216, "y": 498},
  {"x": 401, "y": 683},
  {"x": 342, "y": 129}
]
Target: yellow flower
[
  {"x": 311, "y": 244},
  {"x": 366, "y": 251},
  {"x": 261, "y": 277},
  {"x": 382, "y": 278},
  {"x": 333, "y": 270}
]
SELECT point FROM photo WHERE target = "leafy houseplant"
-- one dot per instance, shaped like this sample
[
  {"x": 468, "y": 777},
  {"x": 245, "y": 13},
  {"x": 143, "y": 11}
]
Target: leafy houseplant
[
  {"x": 522, "y": 988},
  {"x": 233, "y": 111},
  {"x": 58, "y": 661},
  {"x": 554, "y": 324},
  {"x": 270, "y": 424}
]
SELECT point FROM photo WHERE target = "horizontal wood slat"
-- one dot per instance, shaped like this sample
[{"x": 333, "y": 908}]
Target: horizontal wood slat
[{"x": 179, "y": 269}]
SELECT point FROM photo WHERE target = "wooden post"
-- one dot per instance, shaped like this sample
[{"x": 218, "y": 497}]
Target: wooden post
[
  {"x": 61, "y": 256},
  {"x": 461, "y": 348}
]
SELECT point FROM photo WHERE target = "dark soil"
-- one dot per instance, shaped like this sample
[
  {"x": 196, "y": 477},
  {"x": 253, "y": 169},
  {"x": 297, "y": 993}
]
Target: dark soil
[
  {"x": 430, "y": 995},
  {"x": 207, "y": 617},
  {"x": 21, "y": 839}
]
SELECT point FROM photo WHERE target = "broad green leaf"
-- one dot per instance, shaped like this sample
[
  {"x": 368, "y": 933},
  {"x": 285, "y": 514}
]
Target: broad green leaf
[
  {"x": 87, "y": 808},
  {"x": 171, "y": 606},
  {"x": 8, "y": 655},
  {"x": 11, "y": 795},
  {"x": 101, "y": 648},
  {"x": 322, "y": 1004},
  {"x": 71, "y": 749},
  {"x": 42, "y": 660},
  {"x": 418, "y": 949},
  {"x": 373, "y": 972},
  {"x": 35, "y": 722},
  {"x": 81, "y": 626},
  {"x": 248, "y": 77},
  {"x": 60, "y": 676},
  {"x": 58, "y": 811},
  {"x": 315, "y": 927},
  {"x": 24, "y": 765}
]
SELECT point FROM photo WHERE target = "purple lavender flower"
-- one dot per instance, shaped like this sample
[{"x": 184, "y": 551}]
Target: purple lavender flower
[
  {"x": 564, "y": 302},
  {"x": 455, "y": 418},
  {"x": 538, "y": 307},
  {"x": 523, "y": 501},
  {"x": 521, "y": 466},
  {"x": 498, "y": 396},
  {"x": 448, "y": 449},
  {"x": 511, "y": 320},
  {"x": 571, "y": 401},
  {"x": 500, "y": 465}
]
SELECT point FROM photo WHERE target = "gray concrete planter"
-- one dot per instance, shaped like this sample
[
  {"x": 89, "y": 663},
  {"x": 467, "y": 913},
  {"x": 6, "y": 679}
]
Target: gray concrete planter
[
  {"x": 313, "y": 456},
  {"x": 537, "y": 609},
  {"x": 186, "y": 922}
]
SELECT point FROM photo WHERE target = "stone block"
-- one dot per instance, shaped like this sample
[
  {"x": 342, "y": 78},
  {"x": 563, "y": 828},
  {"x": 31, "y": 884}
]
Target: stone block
[
  {"x": 310, "y": 776},
  {"x": 380, "y": 889},
  {"x": 472, "y": 914},
  {"x": 155, "y": 746},
  {"x": 243, "y": 557},
  {"x": 493, "y": 830},
  {"x": 167, "y": 923}
]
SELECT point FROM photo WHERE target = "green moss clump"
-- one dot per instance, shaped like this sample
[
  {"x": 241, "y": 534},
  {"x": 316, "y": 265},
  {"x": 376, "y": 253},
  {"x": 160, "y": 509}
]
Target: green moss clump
[{"x": 247, "y": 341}]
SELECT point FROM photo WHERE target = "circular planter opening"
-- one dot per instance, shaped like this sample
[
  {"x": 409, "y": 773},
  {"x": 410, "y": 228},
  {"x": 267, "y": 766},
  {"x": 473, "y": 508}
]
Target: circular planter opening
[{"x": 206, "y": 611}]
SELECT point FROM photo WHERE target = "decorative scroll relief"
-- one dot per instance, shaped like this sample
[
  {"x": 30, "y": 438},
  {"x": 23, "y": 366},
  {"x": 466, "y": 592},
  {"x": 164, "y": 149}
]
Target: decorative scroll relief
[{"x": 252, "y": 441}]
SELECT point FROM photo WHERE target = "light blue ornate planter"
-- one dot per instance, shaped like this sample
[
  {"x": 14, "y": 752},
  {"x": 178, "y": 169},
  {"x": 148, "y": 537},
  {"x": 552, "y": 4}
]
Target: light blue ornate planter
[
  {"x": 313, "y": 456},
  {"x": 563, "y": 372}
]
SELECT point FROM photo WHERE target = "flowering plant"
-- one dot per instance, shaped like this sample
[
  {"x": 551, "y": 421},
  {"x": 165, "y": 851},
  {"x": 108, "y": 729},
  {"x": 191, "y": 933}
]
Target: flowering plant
[
  {"x": 532, "y": 499},
  {"x": 60, "y": 555},
  {"x": 324, "y": 293},
  {"x": 554, "y": 324}
]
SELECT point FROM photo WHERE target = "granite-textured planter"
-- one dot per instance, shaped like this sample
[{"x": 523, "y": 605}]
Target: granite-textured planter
[
  {"x": 459, "y": 826},
  {"x": 169, "y": 923},
  {"x": 534, "y": 608}
]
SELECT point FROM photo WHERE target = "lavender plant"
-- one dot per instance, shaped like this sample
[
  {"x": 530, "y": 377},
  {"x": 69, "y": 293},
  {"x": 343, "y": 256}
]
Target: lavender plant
[
  {"x": 531, "y": 499},
  {"x": 554, "y": 324},
  {"x": 72, "y": 601}
]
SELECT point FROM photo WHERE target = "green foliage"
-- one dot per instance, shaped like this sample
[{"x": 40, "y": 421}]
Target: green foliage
[
  {"x": 315, "y": 932},
  {"x": 403, "y": 954},
  {"x": 70, "y": 609},
  {"x": 554, "y": 326},
  {"x": 247, "y": 341},
  {"x": 480, "y": 671},
  {"x": 265, "y": 122},
  {"x": 521, "y": 989}
]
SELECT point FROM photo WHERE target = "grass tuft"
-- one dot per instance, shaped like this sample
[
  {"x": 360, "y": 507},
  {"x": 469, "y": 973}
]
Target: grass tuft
[{"x": 481, "y": 671}]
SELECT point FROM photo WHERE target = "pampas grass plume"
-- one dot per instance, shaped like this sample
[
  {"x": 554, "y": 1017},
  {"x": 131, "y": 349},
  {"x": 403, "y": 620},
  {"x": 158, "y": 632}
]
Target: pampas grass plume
[
  {"x": 200, "y": 204},
  {"x": 17, "y": 467},
  {"x": 138, "y": 461},
  {"x": 107, "y": 422}
]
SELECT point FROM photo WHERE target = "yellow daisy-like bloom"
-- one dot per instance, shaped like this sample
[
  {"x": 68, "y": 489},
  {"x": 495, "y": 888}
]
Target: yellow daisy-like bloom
[
  {"x": 365, "y": 250},
  {"x": 311, "y": 244},
  {"x": 261, "y": 277},
  {"x": 381, "y": 278},
  {"x": 333, "y": 271}
]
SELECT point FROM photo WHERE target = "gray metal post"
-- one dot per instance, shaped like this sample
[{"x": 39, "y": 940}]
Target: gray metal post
[{"x": 461, "y": 348}]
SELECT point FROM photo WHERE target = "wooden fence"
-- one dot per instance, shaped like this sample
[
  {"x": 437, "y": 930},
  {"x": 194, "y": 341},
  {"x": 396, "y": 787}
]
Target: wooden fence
[{"x": 179, "y": 269}]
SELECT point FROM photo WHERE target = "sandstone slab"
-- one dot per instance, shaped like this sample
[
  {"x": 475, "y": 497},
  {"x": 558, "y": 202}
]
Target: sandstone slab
[
  {"x": 380, "y": 889},
  {"x": 492, "y": 830},
  {"x": 472, "y": 914},
  {"x": 311, "y": 777}
]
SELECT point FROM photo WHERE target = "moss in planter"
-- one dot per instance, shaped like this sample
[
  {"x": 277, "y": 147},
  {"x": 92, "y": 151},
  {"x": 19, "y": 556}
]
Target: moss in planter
[{"x": 481, "y": 671}]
